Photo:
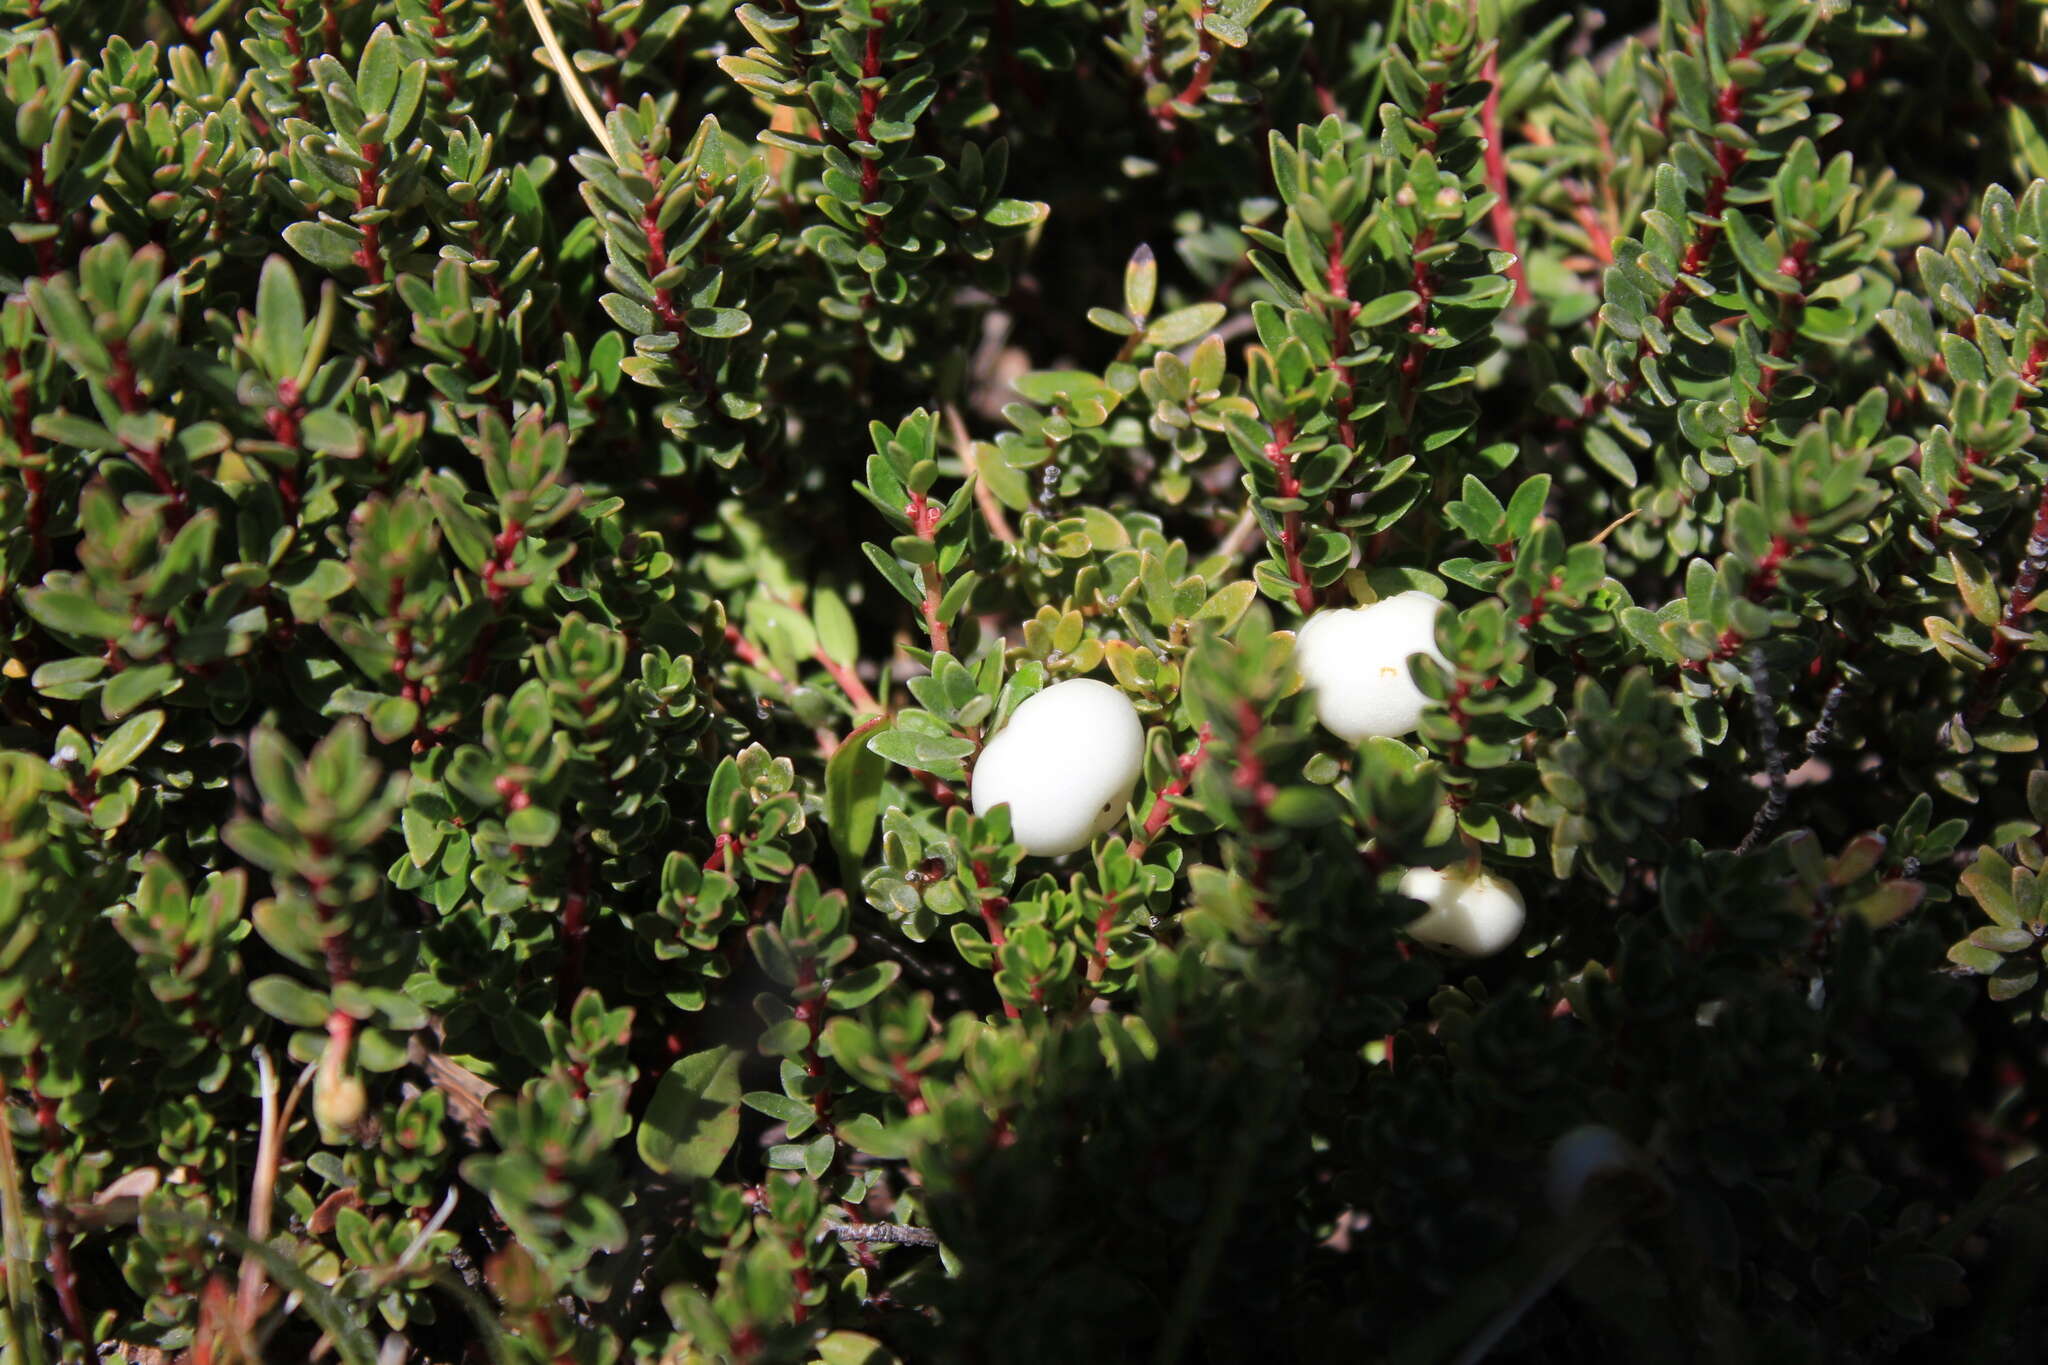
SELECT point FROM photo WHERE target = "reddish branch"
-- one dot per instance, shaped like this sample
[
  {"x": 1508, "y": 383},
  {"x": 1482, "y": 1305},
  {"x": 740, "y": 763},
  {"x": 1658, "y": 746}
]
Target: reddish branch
[
  {"x": 1205, "y": 69},
  {"x": 44, "y": 205},
  {"x": 126, "y": 388},
  {"x": 1503, "y": 214},
  {"x": 1409, "y": 370},
  {"x": 288, "y": 10},
  {"x": 1763, "y": 581},
  {"x": 849, "y": 682},
  {"x": 1790, "y": 308},
  {"x": 2029, "y": 371},
  {"x": 402, "y": 650},
  {"x": 924, "y": 517},
  {"x": 1337, "y": 277},
  {"x": 1728, "y": 159},
  {"x": 657, "y": 255},
  {"x": 992, "y": 908},
  {"x": 1161, "y": 813},
  {"x": 724, "y": 850},
  {"x": 284, "y": 418},
  {"x": 864, "y": 121},
  {"x": 502, "y": 546},
  {"x": 619, "y": 44},
  {"x": 436, "y": 9},
  {"x": 1539, "y": 603},
  {"x": 1599, "y": 236},
  {"x": 743, "y": 649},
  {"x": 1290, "y": 521},
  {"x": 370, "y": 255},
  {"x": 1105, "y": 920},
  {"x": 938, "y": 790}
]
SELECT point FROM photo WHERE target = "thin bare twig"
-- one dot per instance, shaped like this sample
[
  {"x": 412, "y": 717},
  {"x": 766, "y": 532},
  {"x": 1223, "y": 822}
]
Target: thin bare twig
[
  {"x": 565, "y": 71},
  {"x": 897, "y": 1234},
  {"x": 262, "y": 1193},
  {"x": 984, "y": 496},
  {"x": 1774, "y": 757}
]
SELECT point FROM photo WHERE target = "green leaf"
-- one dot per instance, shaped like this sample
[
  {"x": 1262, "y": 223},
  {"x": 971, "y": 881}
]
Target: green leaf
[
  {"x": 853, "y": 798},
  {"x": 280, "y": 319},
  {"x": 129, "y": 689},
  {"x": 1014, "y": 213},
  {"x": 856, "y": 988},
  {"x": 324, "y": 244},
  {"x": 289, "y": 1001},
  {"x": 1386, "y": 308},
  {"x": 127, "y": 744},
  {"x": 73, "y": 613},
  {"x": 853, "y": 1348},
  {"x": 898, "y": 577},
  {"x": 1141, "y": 282},
  {"x": 694, "y": 1118},
  {"x": 533, "y": 826},
  {"x": 717, "y": 322},
  {"x": 1184, "y": 325},
  {"x": 837, "y": 635}
]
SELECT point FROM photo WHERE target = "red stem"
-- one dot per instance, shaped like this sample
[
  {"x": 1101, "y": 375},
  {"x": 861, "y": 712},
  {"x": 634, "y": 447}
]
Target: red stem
[
  {"x": 620, "y": 45},
  {"x": 1728, "y": 160},
  {"x": 370, "y": 255},
  {"x": 502, "y": 546},
  {"x": 2030, "y": 370},
  {"x": 437, "y": 9},
  {"x": 1098, "y": 956},
  {"x": 723, "y": 849},
  {"x": 924, "y": 522},
  {"x": 1502, "y": 215},
  {"x": 1290, "y": 521},
  {"x": 1161, "y": 813},
  {"x": 1790, "y": 308},
  {"x": 45, "y": 205},
  {"x": 849, "y": 682},
  {"x": 1205, "y": 69},
  {"x": 1409, "y": 370},
  {"x": 288, "y": 10},
  {"x": 992, "y": 908},
  {"x": 864, "y": 121},
  {"x": 1338, "y": 279}
]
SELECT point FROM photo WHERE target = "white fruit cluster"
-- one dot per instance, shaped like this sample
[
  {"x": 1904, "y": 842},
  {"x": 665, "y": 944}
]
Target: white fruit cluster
[
  {"x": 1065, "y": 765},
  {"x": 1477, "y": 914},
  {"x": 1356, "y": 662}
]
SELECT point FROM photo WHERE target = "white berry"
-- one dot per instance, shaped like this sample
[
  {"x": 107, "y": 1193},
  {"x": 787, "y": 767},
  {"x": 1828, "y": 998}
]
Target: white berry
[
  {"x": 1065, "y": 764},
  {"x": 1477, "y": 915},
  {"x": 1356, "y": 661},
  {"x": 1581, "y": 1156}
]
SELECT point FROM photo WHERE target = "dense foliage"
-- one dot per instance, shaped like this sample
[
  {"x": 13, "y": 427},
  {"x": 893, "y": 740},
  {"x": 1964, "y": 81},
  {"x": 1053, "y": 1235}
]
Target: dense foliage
[{"x": 504, "y": 582}]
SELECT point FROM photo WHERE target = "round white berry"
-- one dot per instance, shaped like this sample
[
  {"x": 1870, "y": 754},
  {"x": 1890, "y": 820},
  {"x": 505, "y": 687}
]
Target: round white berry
[
  {"x": 1065, "y": 765},
  {"x": 1476, "y": 915},
  {"x": 1356, "y": 660},
  {"x": 1578, "y": 1158}
]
